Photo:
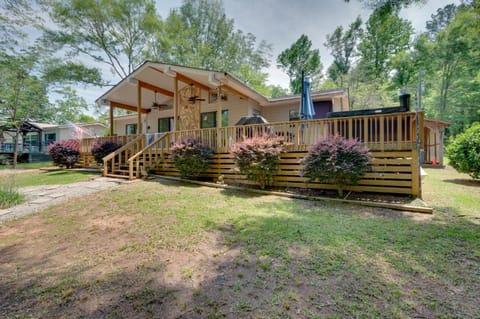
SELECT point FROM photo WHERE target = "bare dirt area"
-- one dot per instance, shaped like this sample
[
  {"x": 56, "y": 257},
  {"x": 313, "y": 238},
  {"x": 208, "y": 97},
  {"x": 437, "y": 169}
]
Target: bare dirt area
[{"x": 166, "y": 250}]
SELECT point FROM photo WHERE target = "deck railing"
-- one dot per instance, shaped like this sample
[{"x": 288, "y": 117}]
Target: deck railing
[
  {"x": 378, "y": 132},
  {"x": 118, "y": 160},
  {"x": 149, "y": 155},
  {"x": 87, "y": 143}
]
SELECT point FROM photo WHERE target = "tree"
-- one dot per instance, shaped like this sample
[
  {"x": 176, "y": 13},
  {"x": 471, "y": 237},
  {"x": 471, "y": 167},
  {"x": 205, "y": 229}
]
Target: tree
[
  {"x": 385, "y": 36},
  {"x": 199, "y": 34},
  {"x": 300, "y": 57},
  {"x": 375, "y": 4},
  {"x": 111, "y": 32},
  {"x": 452, "y": 59},
  {"x": 342, "y": 47},
  {"x": 23, "y": 96}
]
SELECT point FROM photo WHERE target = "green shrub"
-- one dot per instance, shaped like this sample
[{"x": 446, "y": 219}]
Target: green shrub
[
  {"x": 102, "y": 149},
  {"x": 257, "y": 158},
  {"x": 191, "y": 157},
  {"x": 336, "y": 160},
  {"x": 64, "y": 153},
  {"x": 9, "y": 196},
  {"x": 464, "y": 151}
]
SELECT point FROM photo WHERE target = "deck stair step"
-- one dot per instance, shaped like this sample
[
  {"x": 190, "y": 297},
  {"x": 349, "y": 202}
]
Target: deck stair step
[{"x": 117, "y": 176}]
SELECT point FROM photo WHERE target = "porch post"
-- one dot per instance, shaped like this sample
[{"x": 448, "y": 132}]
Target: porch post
[
  {"x": 219, "y": 107},
  {"x": 139, "y": 108},
  {"x": 111, "y": 120},
  {"x": 175, "y": 104},
  {"x": 219, "y": 118}
]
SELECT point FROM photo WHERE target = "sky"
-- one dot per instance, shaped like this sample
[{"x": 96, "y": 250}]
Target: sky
[{"x": 281, "y": 22}]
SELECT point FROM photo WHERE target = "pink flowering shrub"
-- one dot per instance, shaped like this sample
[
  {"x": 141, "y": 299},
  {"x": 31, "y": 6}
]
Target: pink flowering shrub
[
  {"x": 64, "y": 153},
  {"x": 257, "y": 158},
  {"x": 336, "y": 160},
  {"x": 102, "y": 149},
  {"x": 191, "y": 157}
]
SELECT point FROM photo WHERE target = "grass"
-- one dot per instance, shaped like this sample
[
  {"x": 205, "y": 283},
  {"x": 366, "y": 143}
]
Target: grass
[
  {"x": 10, "y": 196},
  {"x": 451, "y": 192},
  {"x": 194, "y": 252},
  {"x": 36, "y": 177},
  {"x": 27, "y": 165}
]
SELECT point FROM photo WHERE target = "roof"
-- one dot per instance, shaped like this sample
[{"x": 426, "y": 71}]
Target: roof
[
  {"x": 316, "y": 96},
  {"x": 159, "y": 77}
]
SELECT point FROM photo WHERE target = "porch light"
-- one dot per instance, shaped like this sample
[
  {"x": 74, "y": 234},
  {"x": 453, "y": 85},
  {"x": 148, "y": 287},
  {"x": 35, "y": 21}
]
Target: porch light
[
  {"x": 132, "y": 80},
  {"x": 168, "y": 71},
  {"x": 155, "y": 105}
]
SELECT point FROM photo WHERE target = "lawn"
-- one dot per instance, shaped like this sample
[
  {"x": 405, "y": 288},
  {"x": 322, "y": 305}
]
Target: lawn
[
  {"x": 27, "y": 165},
  {"x": 37, "y": 177},
  {"x": 171, "y": 250}
]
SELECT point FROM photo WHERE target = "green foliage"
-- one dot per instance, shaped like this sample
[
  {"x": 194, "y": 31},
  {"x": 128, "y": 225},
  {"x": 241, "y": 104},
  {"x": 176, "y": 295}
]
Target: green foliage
[
  {"x": 110, "y": 32},
  {"x": 336, "y": 160},
  {"x": 300, "y": 57},
  {"x": 257, "y": 158},
  {"x": 10, "y": 196},
  {"x": 64, "y": 153},
  {"x": 199, "y": 34},
  {"x": 191, "y": 157},
  {"x": 342, "y": 47},
  {"x": 386, "y": 35},
  {"x": 102, "y": 149},
  {"x": 464, "y": 151}
]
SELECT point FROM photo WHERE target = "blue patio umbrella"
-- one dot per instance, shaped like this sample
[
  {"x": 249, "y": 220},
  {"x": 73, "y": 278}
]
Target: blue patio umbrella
[{"x": 307, "y": 112}]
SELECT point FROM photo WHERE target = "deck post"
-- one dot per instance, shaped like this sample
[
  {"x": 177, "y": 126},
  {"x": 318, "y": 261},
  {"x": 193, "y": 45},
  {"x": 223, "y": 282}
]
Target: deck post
[
  {"x": 175, "y": 104},
  {"x": 139, "y": 108},
  {"x": 111, "y": 120},
  {"x": 219, "y": 116}
]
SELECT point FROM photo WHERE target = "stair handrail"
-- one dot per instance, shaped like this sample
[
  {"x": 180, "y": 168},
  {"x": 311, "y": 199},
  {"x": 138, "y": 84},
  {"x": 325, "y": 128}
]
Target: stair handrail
[
  {"x": 135, "y": 157},
  {"x": 112, "y": 155}
]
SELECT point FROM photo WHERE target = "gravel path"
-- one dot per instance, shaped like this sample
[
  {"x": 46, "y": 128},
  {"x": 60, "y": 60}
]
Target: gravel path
[{"x": 39, "y": 198}]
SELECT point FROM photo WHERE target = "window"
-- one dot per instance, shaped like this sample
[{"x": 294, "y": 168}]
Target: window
[
  {"x": 130, "y": 129},
  {"x": 224, "y": 118},
  {"x": 31, "y": 140},
  {"x": 50, "y": 138},
  {"x": 293, "y": 115},
  {"x": 165, "y": 124},
  {"x": 209, "y": 119}
]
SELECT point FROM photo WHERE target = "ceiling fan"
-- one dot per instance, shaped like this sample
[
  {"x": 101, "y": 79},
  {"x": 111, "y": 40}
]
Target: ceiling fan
[
  {"x": 157, "y": 106},
  {"x": 193, "y": 98}
]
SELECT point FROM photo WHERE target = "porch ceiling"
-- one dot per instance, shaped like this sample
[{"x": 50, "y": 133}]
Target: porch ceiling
[{"x": 155, "y": 76}]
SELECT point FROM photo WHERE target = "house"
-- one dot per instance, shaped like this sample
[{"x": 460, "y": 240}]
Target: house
[
  {"x": 35, "y": 137},
  {"x": 171, "y": 101}
]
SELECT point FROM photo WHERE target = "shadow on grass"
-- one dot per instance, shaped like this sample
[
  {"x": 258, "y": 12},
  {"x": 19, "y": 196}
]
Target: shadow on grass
[
  {"x": 464, "y": 182},
  {"x": 288, "y": 258}
]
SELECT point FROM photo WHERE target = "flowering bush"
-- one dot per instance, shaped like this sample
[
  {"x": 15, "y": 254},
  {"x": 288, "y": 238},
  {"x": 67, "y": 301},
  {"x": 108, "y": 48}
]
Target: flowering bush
[
  {"x": 257, "y": 158},
  {"x": 336, "y": 160},
  {"x": 191, "y": 157},
  {"x": 102, "y": 149},
  {"x": 64, "y": 153}
]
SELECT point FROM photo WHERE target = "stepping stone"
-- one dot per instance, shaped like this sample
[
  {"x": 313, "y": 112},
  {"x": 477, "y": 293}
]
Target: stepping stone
[
  {"x": 53, "y": 187},
  {"x": 56, "y": 195},
  {"x": 41, "y": 201},
  {"x": 40, "y": 194}
]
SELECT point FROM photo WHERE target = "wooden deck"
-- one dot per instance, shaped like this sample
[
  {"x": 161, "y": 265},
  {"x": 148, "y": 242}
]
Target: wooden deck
[{"x": 391, "y": 138}]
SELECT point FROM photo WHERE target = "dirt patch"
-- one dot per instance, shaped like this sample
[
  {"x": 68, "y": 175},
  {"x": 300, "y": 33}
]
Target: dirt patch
[{"x": 104, "y": 258}]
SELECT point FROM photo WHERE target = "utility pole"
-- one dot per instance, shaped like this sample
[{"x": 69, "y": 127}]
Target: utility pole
[{"x": 418, "y": 108}]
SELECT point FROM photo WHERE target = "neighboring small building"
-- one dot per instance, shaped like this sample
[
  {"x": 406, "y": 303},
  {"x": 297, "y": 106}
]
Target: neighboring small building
[{"x": 35, "y": 137}]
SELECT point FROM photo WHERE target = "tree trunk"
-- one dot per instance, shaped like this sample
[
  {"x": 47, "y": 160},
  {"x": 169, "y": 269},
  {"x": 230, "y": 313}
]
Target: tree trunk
[{"x": 15, "y": 146}]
